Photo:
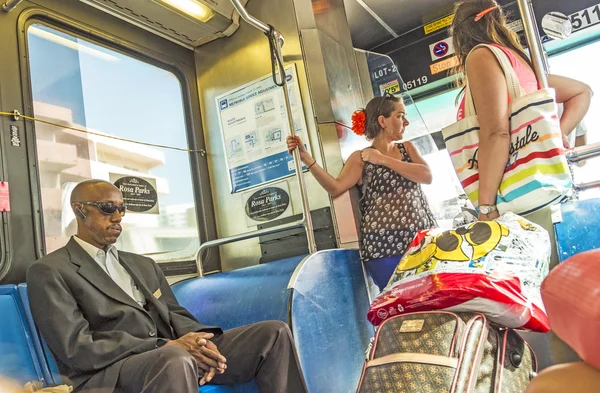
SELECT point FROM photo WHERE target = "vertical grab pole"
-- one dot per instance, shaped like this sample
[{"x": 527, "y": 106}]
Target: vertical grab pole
[
  {"x": 308, "y": 226},
  {"x": 533, "y": 40}
]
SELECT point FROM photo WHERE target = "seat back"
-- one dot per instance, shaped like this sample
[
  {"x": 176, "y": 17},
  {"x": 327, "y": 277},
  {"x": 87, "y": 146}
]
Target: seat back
[
  {"x": 329, "y": 319},
  {"x": 45, "y": 357},
  {"x": 240, "y": 297},
  {"x": 18, "y": 357},
  {"x": 572, "y": 231}
]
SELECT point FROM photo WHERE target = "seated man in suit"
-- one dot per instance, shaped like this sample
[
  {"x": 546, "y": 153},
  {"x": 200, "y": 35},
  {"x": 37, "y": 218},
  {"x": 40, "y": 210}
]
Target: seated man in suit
[{"x": 113, "y": 323}]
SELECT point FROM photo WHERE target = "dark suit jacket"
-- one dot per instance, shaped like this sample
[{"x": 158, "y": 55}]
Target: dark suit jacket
[{"x": 90, "y": 324}]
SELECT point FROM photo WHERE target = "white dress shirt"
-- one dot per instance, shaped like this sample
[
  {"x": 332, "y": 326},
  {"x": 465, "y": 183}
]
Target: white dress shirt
[{"x": 109, "y": 262}]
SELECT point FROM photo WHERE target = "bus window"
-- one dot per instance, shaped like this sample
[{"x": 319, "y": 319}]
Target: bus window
[
  {"x": 440, "y": 110},
  {"x": 578, "y": 64},
  {"x": 76, "y": 83}
]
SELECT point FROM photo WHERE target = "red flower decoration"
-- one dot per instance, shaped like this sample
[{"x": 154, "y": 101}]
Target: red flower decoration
[{"x": 359, "y": 122}]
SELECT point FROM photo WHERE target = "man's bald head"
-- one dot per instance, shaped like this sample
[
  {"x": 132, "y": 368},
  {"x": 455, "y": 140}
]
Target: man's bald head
[
  {"x": 94, "y": 224},
  {"x": 89, "y": 190}
]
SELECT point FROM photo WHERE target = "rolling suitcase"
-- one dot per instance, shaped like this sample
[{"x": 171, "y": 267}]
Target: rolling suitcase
[{"x": 445, "y": 352}]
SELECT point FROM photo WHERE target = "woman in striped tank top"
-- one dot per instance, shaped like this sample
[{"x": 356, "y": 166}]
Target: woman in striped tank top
[{"x": 483, "y": 22}]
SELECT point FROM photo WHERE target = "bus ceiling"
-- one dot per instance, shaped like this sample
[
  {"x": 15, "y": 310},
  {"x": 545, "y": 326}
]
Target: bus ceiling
[
  {"x": 383, "y": 25},
  {"x": 189, "y": 23}
]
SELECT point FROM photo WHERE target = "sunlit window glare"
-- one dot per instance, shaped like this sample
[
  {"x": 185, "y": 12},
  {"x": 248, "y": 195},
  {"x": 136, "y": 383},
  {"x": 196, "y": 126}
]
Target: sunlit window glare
[{"x": 48, "y": 36}]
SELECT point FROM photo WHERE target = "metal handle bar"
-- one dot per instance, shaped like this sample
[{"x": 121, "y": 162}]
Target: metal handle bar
[
  {"x": 240, "y": 237},
  {"x": 260, "y": 25},
  {"x": 10, "y": 4},
  {"x": 583, "y": 153}
]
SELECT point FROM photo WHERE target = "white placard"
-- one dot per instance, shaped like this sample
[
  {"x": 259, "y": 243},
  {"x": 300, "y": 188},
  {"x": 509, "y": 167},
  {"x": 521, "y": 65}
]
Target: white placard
[{"x": 254, "y": 127}]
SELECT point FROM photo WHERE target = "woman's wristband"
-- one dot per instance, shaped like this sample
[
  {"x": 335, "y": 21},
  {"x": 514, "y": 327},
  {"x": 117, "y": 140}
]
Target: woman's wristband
[{"x": 310, "y": 166}]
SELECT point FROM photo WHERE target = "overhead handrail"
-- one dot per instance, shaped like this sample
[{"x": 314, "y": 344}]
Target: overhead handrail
[
  {"x": 533, "y": 40},
  {"x": 276, "y": 41},
  {"x": 10, "y": 4},
  {"x": 260, "y": 25},
  {"x": 240, "y": 237}
]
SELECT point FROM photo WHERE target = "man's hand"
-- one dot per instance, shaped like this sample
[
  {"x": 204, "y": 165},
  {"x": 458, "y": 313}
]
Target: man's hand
[
  {"x": 208, "y": 357},
  {"x": 210, "y": 350}
]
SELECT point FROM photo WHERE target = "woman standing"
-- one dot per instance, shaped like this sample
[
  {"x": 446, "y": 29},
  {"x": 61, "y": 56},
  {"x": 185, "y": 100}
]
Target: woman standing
[
  {"x": 390, "y": 175},
  {"x": 483, "y": 22}
]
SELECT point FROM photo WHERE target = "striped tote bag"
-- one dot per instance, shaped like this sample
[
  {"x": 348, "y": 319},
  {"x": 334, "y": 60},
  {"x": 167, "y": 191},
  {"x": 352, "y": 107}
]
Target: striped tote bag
[{"x": 537, "y": 174}]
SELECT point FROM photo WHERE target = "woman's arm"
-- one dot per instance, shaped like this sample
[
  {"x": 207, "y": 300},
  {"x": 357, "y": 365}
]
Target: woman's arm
[
  {"x": 417, "y": 171},
  {"x": 348, "y": 178},
  {"x": 488, "y": 87},
  {"x": 575, "y": 97}
]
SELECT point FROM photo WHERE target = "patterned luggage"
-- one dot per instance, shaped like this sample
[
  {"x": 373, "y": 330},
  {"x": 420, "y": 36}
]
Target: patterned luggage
[{"x": 444, "y": 352}]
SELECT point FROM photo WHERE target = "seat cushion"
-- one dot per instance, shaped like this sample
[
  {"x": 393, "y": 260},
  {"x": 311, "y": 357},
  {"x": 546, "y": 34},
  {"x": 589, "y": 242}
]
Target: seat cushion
[{"x": 215, "y": 389}]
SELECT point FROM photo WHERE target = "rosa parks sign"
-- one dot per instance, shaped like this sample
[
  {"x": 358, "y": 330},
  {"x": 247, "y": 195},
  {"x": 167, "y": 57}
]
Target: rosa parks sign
[
  {"x": 139, "y": 194},
  {"x": 267, "y": 204}
]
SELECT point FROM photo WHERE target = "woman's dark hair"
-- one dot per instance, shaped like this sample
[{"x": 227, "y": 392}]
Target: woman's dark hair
[
  {"x": 490, "y": 29},
  {"x": 378, "y": 106}
]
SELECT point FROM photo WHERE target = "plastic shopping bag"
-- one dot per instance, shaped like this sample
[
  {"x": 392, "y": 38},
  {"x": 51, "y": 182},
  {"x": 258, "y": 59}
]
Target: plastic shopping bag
[{"x": 494, "y": 267}]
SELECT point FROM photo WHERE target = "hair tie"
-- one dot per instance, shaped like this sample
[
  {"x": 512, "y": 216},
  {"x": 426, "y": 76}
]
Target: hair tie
[
  {"x": 484, "y": 13},
  {"x": 359, "y": 122}
]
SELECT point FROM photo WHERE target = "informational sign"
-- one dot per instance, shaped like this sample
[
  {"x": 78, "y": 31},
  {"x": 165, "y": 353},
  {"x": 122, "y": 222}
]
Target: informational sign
[
  {"x": 585, "y": 18},
  {"x": 267, "y": 204},
  {"x": 254, "y": 126},
  {"x": 441, "y": 49},
  {"x": 139, "y": 193},
  {"x": 438, "y": 24},
  {"x": 444, "y": 65},
  {"x": 391, "y": 87},
  {"x": 582, "y": 14},
  {"x": 516, "y": 26},
  {"x": 15, "y": 136},
  {"x": 384, "y": 75},
  {"x": 4, "y": 197}
]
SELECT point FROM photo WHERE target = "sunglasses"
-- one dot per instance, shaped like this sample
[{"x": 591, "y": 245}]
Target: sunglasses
[
  {"x": 383, "y": 99},
  {"x": 106, "y": 207}
]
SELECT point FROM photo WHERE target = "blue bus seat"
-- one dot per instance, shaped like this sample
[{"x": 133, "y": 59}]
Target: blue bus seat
[
  {"x": 216, "y": 389},
  {"x": 329, "y": 319},
  {"x": 45, "y": 357},
  {"x": 577, "y": 232},
  {"x": 18, "y": 357},
  {"x": 240, "y": 297},
  {"x": 48, "y": 363}
]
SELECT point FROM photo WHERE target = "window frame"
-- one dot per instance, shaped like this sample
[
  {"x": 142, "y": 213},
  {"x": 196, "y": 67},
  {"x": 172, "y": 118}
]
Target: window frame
[{"x": 194, "y": 132}]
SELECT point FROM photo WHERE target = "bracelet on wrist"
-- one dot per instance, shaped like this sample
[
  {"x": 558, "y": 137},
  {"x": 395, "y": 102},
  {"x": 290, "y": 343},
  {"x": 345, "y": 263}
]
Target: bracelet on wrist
[{"x": 310, "y": 166}]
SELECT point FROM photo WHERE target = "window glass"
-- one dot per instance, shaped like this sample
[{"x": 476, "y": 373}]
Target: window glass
[
  {"x": 576, "y": 64},
  {"x": 76, "y": 83}
]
